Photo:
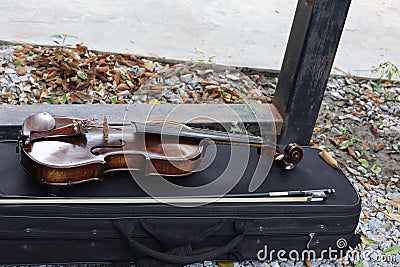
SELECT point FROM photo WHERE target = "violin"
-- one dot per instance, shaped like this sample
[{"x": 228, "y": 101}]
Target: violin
[{"x": 63, "y": 151}]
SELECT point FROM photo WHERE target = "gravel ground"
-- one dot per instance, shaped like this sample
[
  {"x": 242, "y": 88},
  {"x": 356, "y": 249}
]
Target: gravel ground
[
  {"x": 37, "y": 75},
  {"x": 358, "y": 123}
]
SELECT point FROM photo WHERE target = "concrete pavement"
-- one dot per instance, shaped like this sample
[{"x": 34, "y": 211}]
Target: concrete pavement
[{"x": 249, "y": 33}]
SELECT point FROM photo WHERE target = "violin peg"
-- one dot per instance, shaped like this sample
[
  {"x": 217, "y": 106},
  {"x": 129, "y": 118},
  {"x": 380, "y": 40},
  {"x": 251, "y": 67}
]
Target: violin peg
[{"x": 294, "y": 153}]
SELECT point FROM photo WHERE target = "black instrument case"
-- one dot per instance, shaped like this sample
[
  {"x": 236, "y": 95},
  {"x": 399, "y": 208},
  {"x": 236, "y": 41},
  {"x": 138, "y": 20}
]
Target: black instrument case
[{"x": 161, "y": 234}]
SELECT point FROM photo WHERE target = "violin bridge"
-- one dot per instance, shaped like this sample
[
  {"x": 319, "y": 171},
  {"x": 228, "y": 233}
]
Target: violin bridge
[{"x": 105, "y": 128}]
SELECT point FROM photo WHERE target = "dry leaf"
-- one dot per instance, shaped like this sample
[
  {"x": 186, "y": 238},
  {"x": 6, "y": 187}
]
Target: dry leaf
[
  {"x": 206, "y": 83},
  {"x": 27, "y": 46},
  {"x": 315, "y": 145},
  {"x": 374, "y": 97},
  {"x": 308, "y": 263},
  {"x": 363, "y": 194},
  {"x": 102, "y": 69},
  {"x": 117, "y": 78},
  {"x": 334, "y": 141},
  {"x": 44, "y": 93},
  {"x": 382, "y": 238},
  {"x": 21, "y": 70},
  {"x": 81, "y": 48},
  {"x": 373, "y": 180},
  {"x": 82, "y": 85},
  {"x": 374, "y": 131},
  {"x": 122, "y": 61},
  {"x": 101, "y": 92},
  {"x": 87, "y": 61},
  {"x": 368, "y": 186},
  {"x": 225, "y": 264},
  {"x": 101, "y": 77},
  {"x": 362, "y": 107},
  {"x": 154, "y": 91},
  {"x": 149, "y": 65},
  {"x": 391, "y": 216},
  {"x": 395, "y": 202},
  {"x": 59, "y": 81},
  {"x": 214, "y": 95},
  {"x": 142, "y": 80},
  {"x": 338, "y": 69},
  {"x": 366, "y": 214},
  {"x": 378, "y": 147},
  {"x": 123, "y": 93},
  {"x": 73, "y": 98},
  {"x": 352, "y": 153},
  {"x": 27, "y": 88},
  {"x": 83, "y": 96},
  {"x": 365, "y": 146},
  {"x": 64, "y": 84},
  {"x": 192, "y": 94},
  {"x": 122, "y": 87},
  {"x": 329, "y": 159}
]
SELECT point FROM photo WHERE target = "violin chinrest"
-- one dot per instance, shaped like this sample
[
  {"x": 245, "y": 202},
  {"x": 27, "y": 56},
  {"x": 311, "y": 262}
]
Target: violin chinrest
[{"x": 39, "y": 123}]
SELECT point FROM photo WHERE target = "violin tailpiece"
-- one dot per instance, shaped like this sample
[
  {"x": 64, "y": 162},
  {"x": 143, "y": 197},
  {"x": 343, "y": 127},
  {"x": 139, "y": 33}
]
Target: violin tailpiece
[{"x": 75, "y": 128}]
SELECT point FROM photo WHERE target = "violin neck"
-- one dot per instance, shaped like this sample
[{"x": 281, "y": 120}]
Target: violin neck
[{"x": 198, "y": 134}]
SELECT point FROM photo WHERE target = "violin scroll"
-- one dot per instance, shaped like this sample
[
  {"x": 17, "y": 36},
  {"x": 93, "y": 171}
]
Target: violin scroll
[
  {"x": 294, "y": 153},
  {"x": 290, "y": 157}
]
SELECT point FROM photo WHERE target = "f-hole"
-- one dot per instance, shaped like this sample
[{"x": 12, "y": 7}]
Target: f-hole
[{"x": 97, "y": 150}]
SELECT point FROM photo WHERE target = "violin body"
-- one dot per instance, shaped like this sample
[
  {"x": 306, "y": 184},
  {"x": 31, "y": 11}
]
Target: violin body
[
  {"x": 68, "y": 151},
  {"x": 73, "y": 158}
]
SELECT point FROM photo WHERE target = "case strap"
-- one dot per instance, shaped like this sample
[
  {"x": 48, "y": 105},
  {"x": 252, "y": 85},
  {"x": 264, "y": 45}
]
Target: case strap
[
  {"x": 176, "y": 238},
  {"x": 183, "y": 254}
]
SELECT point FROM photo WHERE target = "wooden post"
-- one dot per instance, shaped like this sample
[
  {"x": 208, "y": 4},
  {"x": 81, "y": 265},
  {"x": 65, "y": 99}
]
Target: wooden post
[{"x": 311, "y": 49}]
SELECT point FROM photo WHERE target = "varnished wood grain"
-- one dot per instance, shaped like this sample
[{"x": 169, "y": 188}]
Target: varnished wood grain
[{"x": 66, "y": 160}]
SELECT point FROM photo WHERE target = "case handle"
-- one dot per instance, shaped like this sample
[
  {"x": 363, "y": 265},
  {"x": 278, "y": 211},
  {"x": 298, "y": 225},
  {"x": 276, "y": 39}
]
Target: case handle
[{"x": 189, "y": 255}]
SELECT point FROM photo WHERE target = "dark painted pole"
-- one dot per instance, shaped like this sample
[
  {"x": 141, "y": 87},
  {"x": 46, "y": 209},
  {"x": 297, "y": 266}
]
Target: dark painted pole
[{"x": 311, "y": 49}]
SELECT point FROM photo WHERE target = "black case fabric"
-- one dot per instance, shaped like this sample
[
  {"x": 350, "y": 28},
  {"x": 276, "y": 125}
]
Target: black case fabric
[{"x": 168, "y": 234}]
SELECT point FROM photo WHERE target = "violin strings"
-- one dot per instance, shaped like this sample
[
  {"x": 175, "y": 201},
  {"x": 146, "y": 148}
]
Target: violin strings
[
  {"x": 159, "y": 130},
  {"x": 156, "y": 129}
]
